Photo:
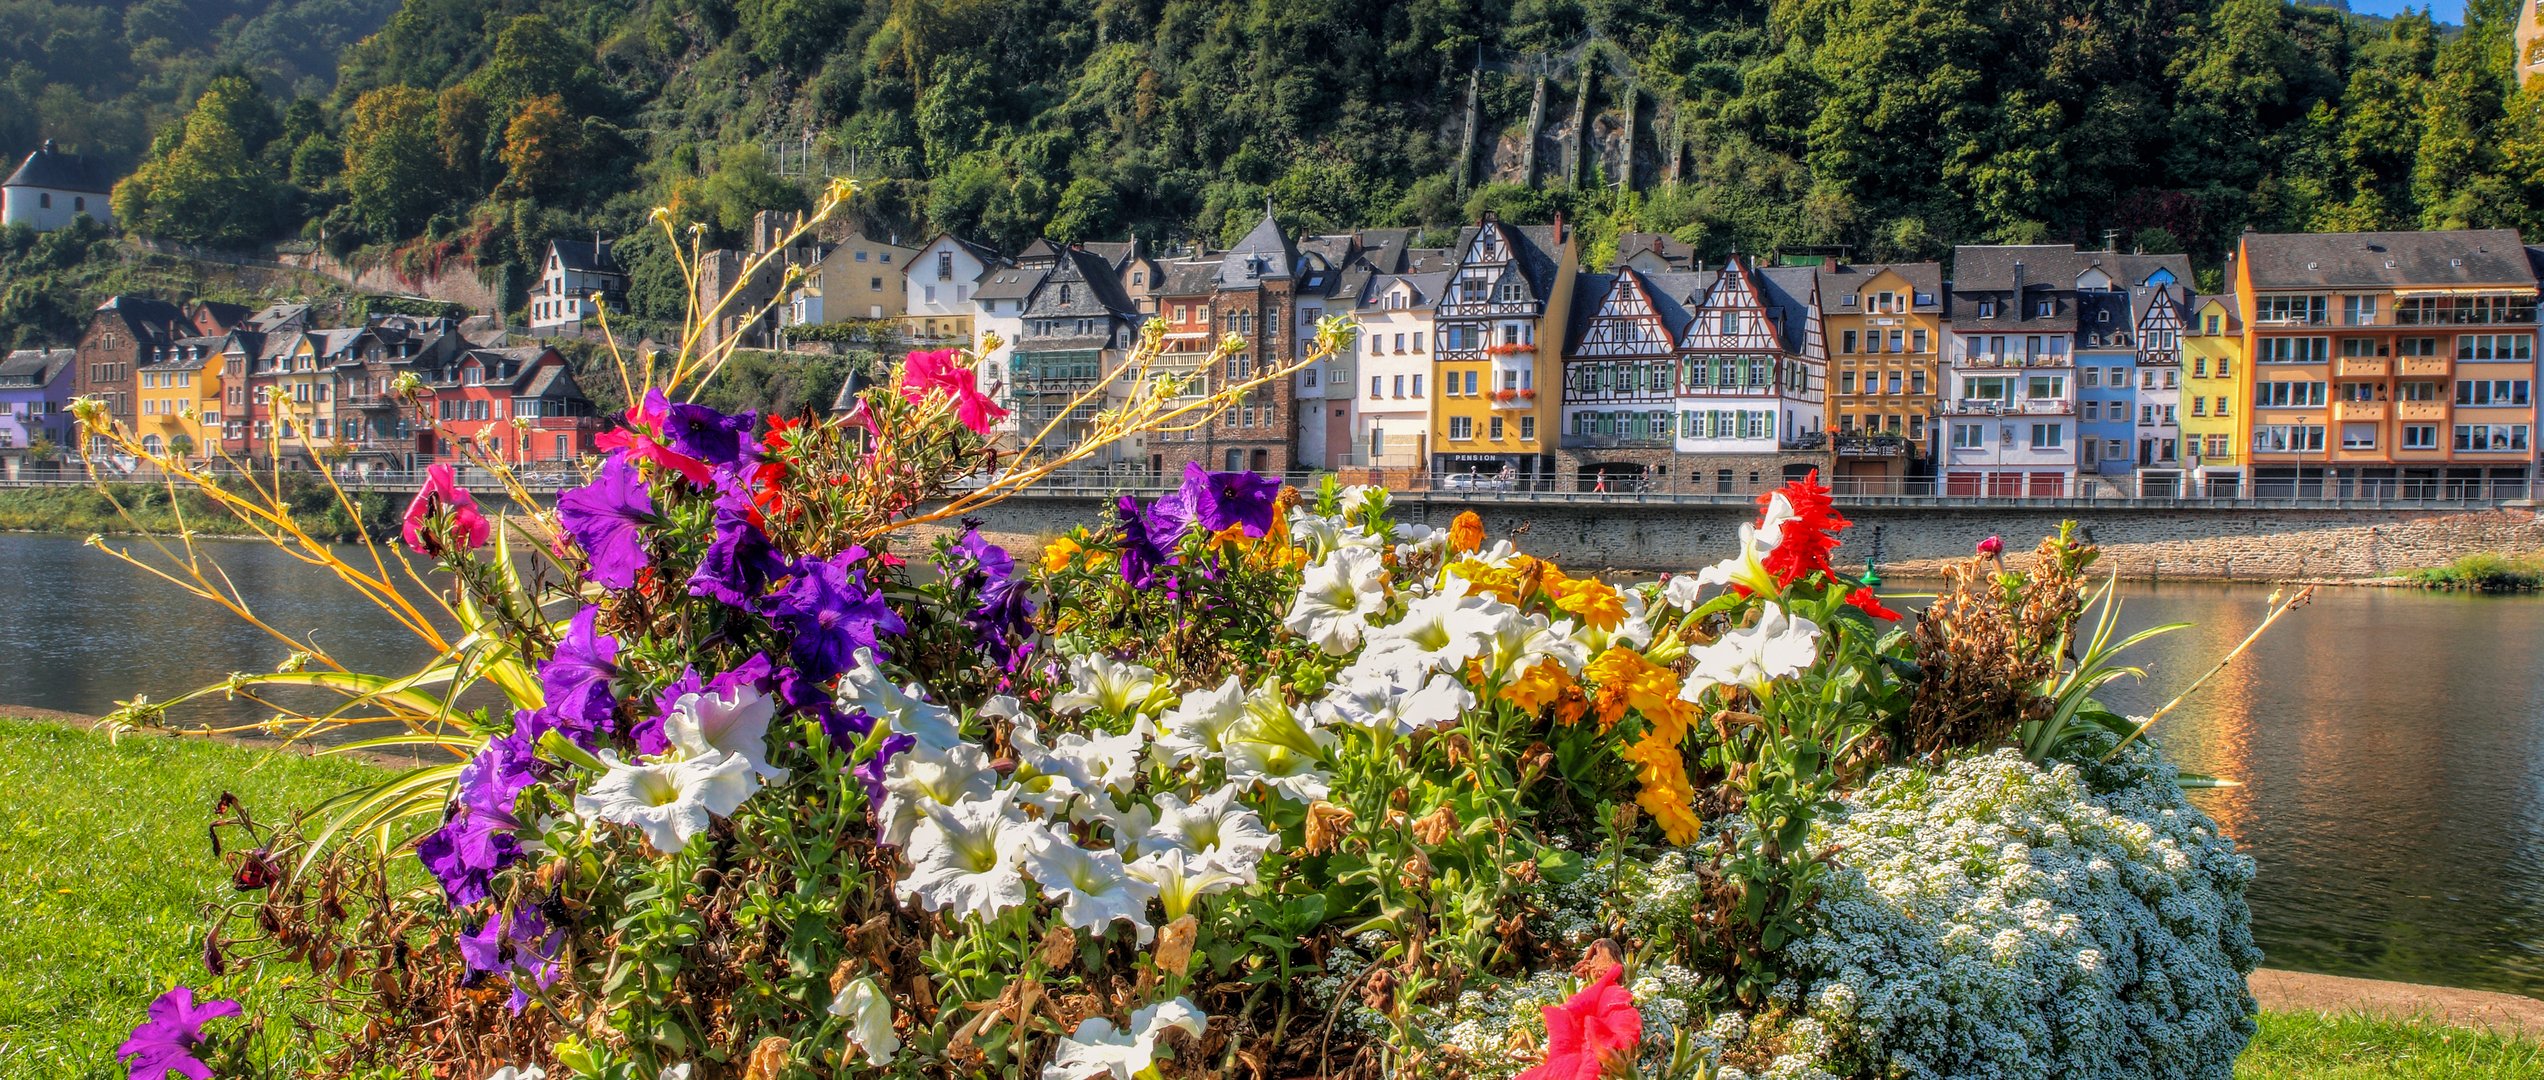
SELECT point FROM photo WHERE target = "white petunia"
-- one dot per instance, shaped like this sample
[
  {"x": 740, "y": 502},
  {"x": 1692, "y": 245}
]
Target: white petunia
[
  {"x": 674, "y": 1072},
  {"x": 869, "y": 1015},
  {"x": 1214, "y": 827},
  {"x": 865, "y": 688},
  {"x": 518, "y": 1072},
  {"x": 1097, "y": 1048},
  {"x": 671, "y": 802},
  {"x": 1336, "y": 598},
  {"x": 1115, "y": 687},
  {"x": 1198, "y": 726},
  {"x": 736, "y": 721},
  {"x": 1094, "y": 888},
  {"x": 1682, "y": 591},
  {"x": 1441, "y": 632},
  {"x": 1181, "y": 878},
  {"x": 1777, "y": 646},
  {"x": 1524, "y": 641},
  {"x": 1272, "y": 744},
  {"x": 925, "y": 776},
  {"x": 963, "y": 858},
  {"x": 1386, "y": 705}
]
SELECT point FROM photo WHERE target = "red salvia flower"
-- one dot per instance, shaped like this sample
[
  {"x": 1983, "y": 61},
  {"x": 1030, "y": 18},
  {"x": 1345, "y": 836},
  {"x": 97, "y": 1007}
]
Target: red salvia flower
[
  {"x": 1809, "y": 536},
  {"x": 1865, "y": 601}
]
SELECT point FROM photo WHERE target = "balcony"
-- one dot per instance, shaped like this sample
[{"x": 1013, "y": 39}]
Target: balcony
[
  {"x": 2362, "y": 410},
  {"x": 1994, "y": 407},
  {"x": 2014, "y": 360},
  {"x": 1615, "y": 442},
  {"x": 2366, "y": 367},
  {"x": 2426, "y": 365},
  {"x": 2420, "y": 410},
  {"x": 1514, "y": 399},
  {"x": 1871, "y": 446}
]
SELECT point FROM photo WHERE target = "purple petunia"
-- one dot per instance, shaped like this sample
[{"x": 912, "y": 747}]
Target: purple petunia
[
  {"x": 871, "y": 771},
  {"x": 604, "y": 517},
  {"x": 1142, "y": 550},
  {"x": 1003, "y": 613},
  {"x": 699, "y": 432},
  {"x": 164, "y": 1045},
  {"x": 576, "y": 680},
  {"x": 740, "y": 561},
  {"x": 1218, "y": 500},
  {"x": 830, "y": 613},
  {"x": 514, "y": 943},
  {"x": 476, "y": 839}
]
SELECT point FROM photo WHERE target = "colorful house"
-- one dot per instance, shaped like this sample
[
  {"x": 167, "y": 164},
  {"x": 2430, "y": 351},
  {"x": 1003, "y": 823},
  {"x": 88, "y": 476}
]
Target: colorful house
[
  {"x": 1752, "y": 386},
  {"x": 1395, "y": 349},
  {"x": 181, "y": 410},
  {"x": 2106, "y": 394},
  {"x": 936, "y": 291},
  {"x": 1077, "y": 329},
  {"x": 2397, "y": 363},
  {"x": 1498, "y": 365},
  {"x": 2009, "y": 408},
  {"x": 35, "y": 403},
  {"x": 2158, "y": 311},
  {"x": 519, "y": 405},
  {"x": 1885, "y": 330},
  {"x": 1620, "y": 381},
  {"x": 2212, "y": 392}
]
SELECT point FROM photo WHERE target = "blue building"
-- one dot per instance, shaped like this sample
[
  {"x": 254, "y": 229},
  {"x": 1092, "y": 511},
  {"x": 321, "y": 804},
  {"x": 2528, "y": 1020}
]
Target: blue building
[{"x": 2106, "y": 397}]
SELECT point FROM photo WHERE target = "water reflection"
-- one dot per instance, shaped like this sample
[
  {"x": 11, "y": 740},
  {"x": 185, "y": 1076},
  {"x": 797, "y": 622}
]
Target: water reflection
[{"x": 2389, "y": 741}]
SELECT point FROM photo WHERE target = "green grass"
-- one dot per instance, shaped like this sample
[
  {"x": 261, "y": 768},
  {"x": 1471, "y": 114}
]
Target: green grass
[
  {"x": 84, "y": 510},
  {"x": 2304, "y": 1045},
  {"x": 104, "y": 874},
  {"x": 2485, "y": 572}
]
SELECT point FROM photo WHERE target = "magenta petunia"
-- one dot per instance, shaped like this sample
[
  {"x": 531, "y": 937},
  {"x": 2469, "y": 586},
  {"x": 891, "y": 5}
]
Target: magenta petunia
[
  {"x": 926, "y": 373},
  {"x": 606, "y": 519},
  {"x": 164, "y": 1045}
]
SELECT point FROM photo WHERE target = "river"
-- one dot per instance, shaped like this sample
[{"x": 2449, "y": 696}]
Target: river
[{"x": 2391, "y": 742}]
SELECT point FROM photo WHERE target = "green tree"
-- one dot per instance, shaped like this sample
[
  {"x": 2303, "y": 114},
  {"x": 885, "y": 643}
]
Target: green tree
[
  {"x": 208, "y": 186},
  {"x": 394, "y": 174},
  {"x": 541, "y": 148}
]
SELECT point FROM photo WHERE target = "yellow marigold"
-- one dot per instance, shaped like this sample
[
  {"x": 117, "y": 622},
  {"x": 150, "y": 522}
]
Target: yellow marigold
[
  {"x": 1485, "y": 579},
  {"x": 1594, "y": 601},
  {"x": 1466, "y": 533},
  {"x": 1666, "y": 794},
  {"x": 1640, "y": 684},
  {"x": 1058, "y": 554},
  {"x": 1538, "y": 686}
]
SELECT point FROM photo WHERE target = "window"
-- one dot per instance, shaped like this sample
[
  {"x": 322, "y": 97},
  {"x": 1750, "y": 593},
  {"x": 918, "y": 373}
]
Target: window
[
  {"x": 44, "y": 200},
  {"x": 1896, "y": 341},
  {"x": 1847, "y": 341},
  {"x": 1495, "y": 429},
  {"x": 2093, "y": 376},
  {"x": 1470, "y": 383},
  {"x": 1400, "y": 343},
  {"x": 2045, "y": 309},
  {"x": 2211, "y": 326},
  {"x": 2289, "y": 309},
  {"x": 2146, "y": 378},
  {"x": 2048, "y": 436},
  {"x": 2358, "y": 436},
  {"x": 2417, "y": 391},
  {"x": 1461, "y": 427},
  {"x": 1846, "y": 382},
  {"x": 2358, "y": 311},
  {"x": 1894, "y": 382},
  {"x": 2420, "y": 436},
  {"x": 1917, "y": 341},
  {"x": 2221, "y": 406},
  {"x": 1417, "y": 385},
  {"x": 2416, "y": 346},
  {"x": 2490, "y": 438},
  {"x": 1987, "y": 309},
  {"x": 2146, "y": 416},
  {"x": 2093, "y": 409},
  {"x": 2495, "y": 347},
  {"x": 874, "y": 284},
  {"x": 1417, "y": 341},
  {"x": 2311, "y": 350},
  {"x": 931, "y": 293},
  {"x": 1528, "y": 428},
  {"x": 2287, "y": 438},
  {"x": 2046, "y": 387},
  {"x": 2199, "y": 406},
  {"x": 1375, "y": 381},
  {"x": 2282, "y": 395},
  {"x": 1400, "y": 386}
]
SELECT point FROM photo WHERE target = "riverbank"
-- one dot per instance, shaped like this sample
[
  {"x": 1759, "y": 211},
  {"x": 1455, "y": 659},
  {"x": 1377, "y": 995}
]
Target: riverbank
[
  {"x": 148, "y": 508},
  {"x": 110, "y": 883}
]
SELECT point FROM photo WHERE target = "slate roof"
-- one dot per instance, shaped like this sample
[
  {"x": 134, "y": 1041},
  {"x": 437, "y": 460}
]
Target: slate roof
[
  {"x": 1533, "y": 247},
  {"x": 1673, "y": 296},
  {"x": 585, "y": 256},
  {"x": 2461, "y": 257},
  {"x": 151, "y": 322},
  {"x": 2091, "y": 308},
  {"x": 51, "y": 168},
  {"x": 1680, "y": 255},
  {"x": 1011, "y": 283},
  {"x": 1096, "y": 289},
  {"x": 1264, "y": 255},
  {"x": 2134, "y": 269},
  {"x": 1589, "y": 294},
  {"x": 2233, "y": 324},
  {"x": 1841, "y": 280},
  {"x": 1427, "y": 288},
  {"x": 1115, "y": 253},
  {"x": 1787, "y": 292},
  {"x": 1186, "y": 277},
  {"x": 225, "y": 316},
  {"x": 1979, "y": 270},
  {"x": 34, "y": 369}
]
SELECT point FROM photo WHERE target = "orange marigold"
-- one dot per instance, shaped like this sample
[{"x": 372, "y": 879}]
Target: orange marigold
[
  {"x": 1667, "y": 795},
  {"x": 1594, "y": 601},
  {"x": 1466, "y": 533},
  {"x": 1539, "y": 686}
]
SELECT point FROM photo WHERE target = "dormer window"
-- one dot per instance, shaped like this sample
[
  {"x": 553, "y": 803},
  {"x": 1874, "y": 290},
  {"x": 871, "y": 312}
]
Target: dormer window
[
  {"x": 2099, "y": 316},
  {"x": 2045, "y": 309},
  {"x": 1987, "y": 309}
]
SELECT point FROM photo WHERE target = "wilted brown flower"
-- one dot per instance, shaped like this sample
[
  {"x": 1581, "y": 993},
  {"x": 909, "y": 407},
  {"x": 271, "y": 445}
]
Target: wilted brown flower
[
  {"x": 1175, "y": 945},
  {"x": 1436, "y": 827},
  {"x": 1326, "y": 824}
]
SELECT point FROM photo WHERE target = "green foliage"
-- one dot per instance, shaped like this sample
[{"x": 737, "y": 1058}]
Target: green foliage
[
  {"x": 146, "y": 508},
  {"x": 2309, "y": 1046},
  {"x": 2485, "y": 572},
  {"x": 212, "y": 185}
]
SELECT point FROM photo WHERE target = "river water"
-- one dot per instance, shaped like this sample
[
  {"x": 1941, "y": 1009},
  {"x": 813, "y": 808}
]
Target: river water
[{"x": 2391, "y": 742}]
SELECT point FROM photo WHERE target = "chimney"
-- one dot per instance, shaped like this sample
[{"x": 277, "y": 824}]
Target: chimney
[{"x": 2018, "y": 288}]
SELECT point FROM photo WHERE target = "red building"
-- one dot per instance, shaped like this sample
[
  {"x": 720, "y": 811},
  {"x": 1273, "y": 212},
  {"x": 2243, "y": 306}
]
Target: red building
[{"x": 518, "y": 405}]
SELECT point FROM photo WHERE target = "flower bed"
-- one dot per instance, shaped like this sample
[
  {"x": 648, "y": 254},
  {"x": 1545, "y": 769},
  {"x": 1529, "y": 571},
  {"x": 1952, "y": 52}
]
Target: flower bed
[{"x": 1242, "y": 780}]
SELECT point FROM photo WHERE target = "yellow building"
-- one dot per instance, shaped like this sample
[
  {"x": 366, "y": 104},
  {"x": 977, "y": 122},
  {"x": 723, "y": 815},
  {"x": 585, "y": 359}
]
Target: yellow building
[
  {"x": 180, "y": 400},
  {"x": 1499, "y": 340},
  {"x": 1885, "y": 331},
  {"x": 302, "y": 378},
  {"x": 2214, "y": 431}
]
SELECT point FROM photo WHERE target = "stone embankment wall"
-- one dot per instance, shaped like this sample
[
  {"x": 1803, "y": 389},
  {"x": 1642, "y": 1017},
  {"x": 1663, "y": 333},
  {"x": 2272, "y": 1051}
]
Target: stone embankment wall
[{"x": 2224, "y": 544}]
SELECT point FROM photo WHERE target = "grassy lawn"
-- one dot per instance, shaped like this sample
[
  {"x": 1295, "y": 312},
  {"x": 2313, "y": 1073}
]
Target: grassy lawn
[
  {"x": 2293, "y": 1045},
  {"x": 102, "y": 891},
  {"x": 104, "y": 874}
]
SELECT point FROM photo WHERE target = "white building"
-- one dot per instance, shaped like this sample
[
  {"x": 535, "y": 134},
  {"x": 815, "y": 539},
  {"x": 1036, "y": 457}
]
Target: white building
[
  {"x": 574, "y": 272},
  {"x": 50, "y": 188},
  {"x": 1754, "y": 373},
  {"x": 998, "y": 309},
  {"x": 936, "y": 290},
  {"x": 1391, "y": 368},
  {"x": 2009, "y": 394}
]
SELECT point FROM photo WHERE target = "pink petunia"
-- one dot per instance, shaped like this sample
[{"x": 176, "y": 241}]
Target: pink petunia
[
  {"x": 442, "y": 492},
  {"x": 925, "y": 373},
  {"x": 642, "y": 438}
]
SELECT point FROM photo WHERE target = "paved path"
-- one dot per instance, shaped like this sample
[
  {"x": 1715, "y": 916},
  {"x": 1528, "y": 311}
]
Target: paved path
[{"x": 2483, "y": 1010}]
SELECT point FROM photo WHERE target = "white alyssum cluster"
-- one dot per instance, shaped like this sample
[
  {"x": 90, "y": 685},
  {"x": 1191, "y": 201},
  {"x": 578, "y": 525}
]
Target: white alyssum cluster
[{"x": 1999, "y": 920}]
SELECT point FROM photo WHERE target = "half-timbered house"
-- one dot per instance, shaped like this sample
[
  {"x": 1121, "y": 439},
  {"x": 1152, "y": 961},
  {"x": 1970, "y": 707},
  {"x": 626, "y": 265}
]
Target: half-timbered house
[
  {"x": 1620, "y": 377},
  {"x": 1511, "y": 290},
  {"x": 1753, "y": 371}
]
